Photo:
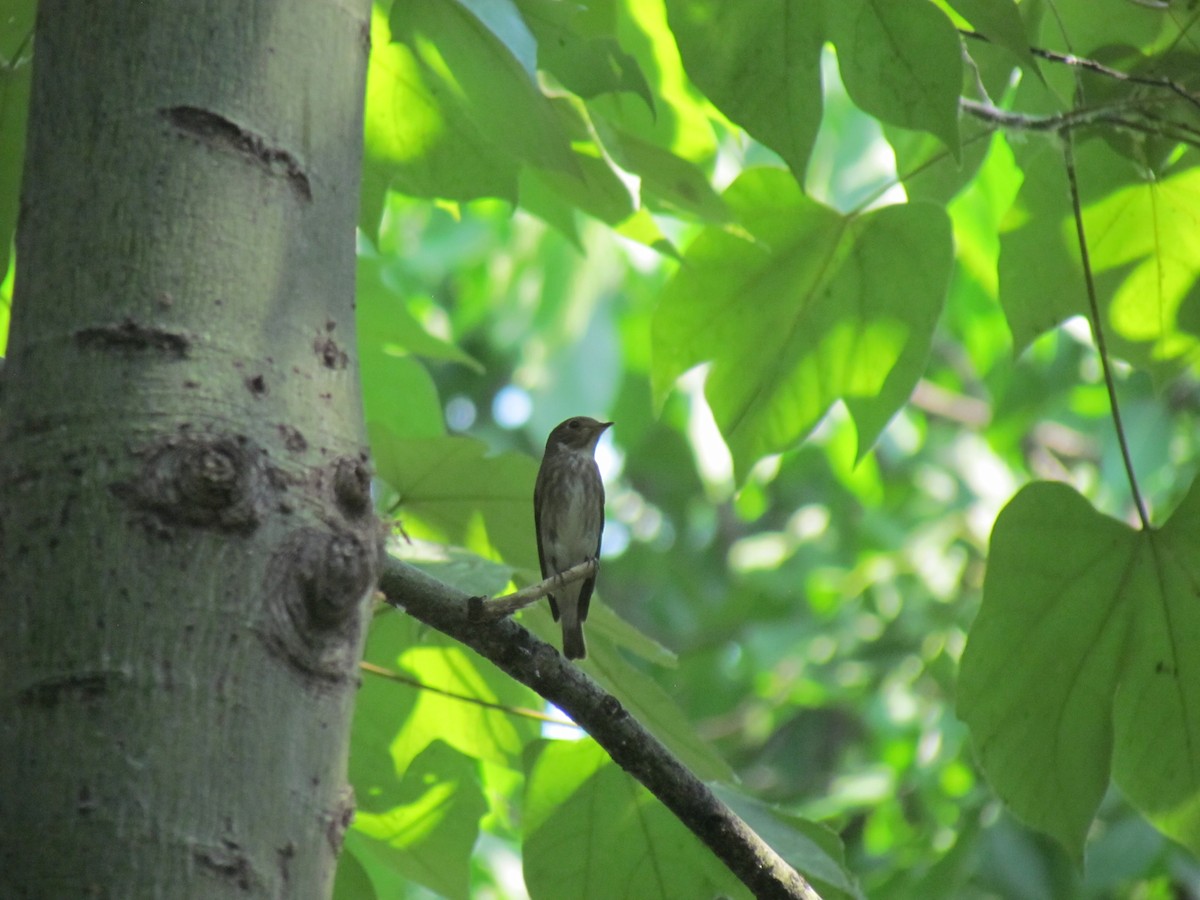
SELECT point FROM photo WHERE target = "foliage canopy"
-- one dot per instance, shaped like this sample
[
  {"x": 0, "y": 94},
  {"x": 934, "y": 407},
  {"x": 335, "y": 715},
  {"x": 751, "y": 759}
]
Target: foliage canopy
[{"x": 822, "y": 264}]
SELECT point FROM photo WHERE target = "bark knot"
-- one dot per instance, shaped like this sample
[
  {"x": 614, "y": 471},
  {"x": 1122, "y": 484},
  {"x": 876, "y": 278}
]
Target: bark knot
[
  {"x": 213, "y": 481},
  {"x": 316, "y": 582}
]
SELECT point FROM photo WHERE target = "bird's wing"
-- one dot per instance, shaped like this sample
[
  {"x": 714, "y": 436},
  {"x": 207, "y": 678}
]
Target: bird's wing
[
  {"x": 585, "y": 589},
  {"x": 537, "y": 530}
]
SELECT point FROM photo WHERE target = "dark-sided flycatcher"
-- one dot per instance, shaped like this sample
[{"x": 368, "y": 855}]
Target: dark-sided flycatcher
[{"x": 568, "y": 515}]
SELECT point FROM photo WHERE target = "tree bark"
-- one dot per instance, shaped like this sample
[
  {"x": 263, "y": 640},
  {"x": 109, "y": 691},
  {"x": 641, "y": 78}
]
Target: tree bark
[{"x": 186, "y": 532}]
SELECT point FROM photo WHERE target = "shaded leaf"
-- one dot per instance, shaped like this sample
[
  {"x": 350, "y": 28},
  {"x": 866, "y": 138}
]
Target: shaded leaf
[
  {"x": 810, "y": 848},
  {"x": 901, "y": 60},
  {"x": 16, "y": 69},
  {"x": 384, "y": 319},
  {"x": 1081, "y": 658},
  {"x": 586, "y": 61},
  {"x": 1000, "y": 22}
]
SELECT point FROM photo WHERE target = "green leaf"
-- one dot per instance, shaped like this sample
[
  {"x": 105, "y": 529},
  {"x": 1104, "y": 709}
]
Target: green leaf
[
  {"x": 589, "y": 830},
  {"x": 586, "y": 62},
  {"x": 384, "y": 319},
  {"x": 810, "y": 848},
  {"x": 488, "y": 74},
  {"x": 418, "y": 717},
  {"x": 595, "y": 188},
  {"x": 1041, "y": 663},
  {"x": 1082, "y": 655},
  {"x": 668, "y": 181},
  {"x": 399, "y": 397},
  {"x": 459, "y": 494},
  {"x": 759, "y": 61},
  {"x": 1156, "y": 757},
  {"x": 1143, "y": 249},
  {"x": 901, "y": 60},
  {"x": 1000, "y": 22},
  {"x": 429, "y": 835},
  {"x": 680, "y": 118},
  {"x": 806, "y": 309},
  {"x": 16, "y": 26},
  {"x": 352, "y": 881},
  {"x": 421, "y": 136},
  {"x": 655, "y": 709},
  {"x": 1084, "y": 26}
]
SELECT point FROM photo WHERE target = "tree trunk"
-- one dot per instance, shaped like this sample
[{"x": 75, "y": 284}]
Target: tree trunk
[{"x": 186, "y": 532}]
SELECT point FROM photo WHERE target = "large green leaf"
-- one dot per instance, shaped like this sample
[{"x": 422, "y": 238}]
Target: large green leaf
[
  {"x": 803, "y": 308},
  {"x": 1083, "y": 656},
  {"x": 591, "y": 831},
  {"x": 759, "y": 61},
  {"x": 901, "y": 60}
]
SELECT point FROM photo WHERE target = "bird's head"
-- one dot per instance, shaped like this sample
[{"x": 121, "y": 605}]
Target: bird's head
[{"x": 576, "y": 433}]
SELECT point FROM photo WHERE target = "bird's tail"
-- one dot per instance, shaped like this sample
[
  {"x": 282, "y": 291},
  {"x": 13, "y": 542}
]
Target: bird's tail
[{"x": 573, "y": 645}]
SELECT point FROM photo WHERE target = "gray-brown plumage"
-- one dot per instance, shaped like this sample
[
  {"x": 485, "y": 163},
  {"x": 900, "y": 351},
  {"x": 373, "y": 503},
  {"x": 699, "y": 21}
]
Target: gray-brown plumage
[{"x": 568, "y": 516}]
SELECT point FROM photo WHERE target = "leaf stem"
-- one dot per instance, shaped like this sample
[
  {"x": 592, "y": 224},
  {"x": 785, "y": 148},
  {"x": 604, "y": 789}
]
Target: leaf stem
[
  {"x": 1097, "y": 327},
  {"x": 521, "y": 711}
]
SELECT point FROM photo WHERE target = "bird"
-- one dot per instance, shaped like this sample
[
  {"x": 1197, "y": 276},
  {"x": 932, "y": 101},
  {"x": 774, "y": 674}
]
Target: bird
[{"x": 568, "y": 518}]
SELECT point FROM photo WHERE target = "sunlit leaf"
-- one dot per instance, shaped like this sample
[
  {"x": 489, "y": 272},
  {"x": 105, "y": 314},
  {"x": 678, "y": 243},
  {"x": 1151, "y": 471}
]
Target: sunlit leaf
[
  {"x": 808, "y": 308},
  {"x": 1146, "y": 281}
]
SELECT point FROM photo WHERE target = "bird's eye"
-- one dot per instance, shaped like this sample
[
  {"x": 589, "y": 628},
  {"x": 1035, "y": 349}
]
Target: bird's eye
[{"x": 573, "y": 424}]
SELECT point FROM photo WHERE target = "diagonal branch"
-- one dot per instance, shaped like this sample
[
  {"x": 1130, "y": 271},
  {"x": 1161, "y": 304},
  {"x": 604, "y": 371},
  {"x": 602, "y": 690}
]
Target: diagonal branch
[{"x": 538, "y": 665}]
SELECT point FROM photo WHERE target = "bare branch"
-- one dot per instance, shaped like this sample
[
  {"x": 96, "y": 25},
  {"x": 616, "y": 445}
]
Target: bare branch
[
  {"x": 538, "y": 665},
  {"x": 481, "y": 608}
]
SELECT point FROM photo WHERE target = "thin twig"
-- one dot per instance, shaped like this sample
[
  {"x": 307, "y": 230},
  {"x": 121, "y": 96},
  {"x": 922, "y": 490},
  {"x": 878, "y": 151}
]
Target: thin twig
[
  {"x": 1091, "y": 65},
  {"x": 481, "y": 608},
  {"x": 1074, "y": 118},
  {"x": 1098, "y": 329},
  {"x": 523, "y": 712}
]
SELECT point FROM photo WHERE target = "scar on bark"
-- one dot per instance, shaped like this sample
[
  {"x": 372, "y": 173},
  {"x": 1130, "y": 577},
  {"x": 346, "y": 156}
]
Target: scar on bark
[
  {"x": 216, "y": 130},
  {"x": 133, "y": 336}
]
